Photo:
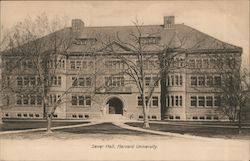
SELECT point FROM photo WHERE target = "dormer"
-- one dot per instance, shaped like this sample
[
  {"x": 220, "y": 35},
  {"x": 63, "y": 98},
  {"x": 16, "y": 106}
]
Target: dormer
[
  {"x": 85, "y": 41},
  {"x": 150, "y": 40}
]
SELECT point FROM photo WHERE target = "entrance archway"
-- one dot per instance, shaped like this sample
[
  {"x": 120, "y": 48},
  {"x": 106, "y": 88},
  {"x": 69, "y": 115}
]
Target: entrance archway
[{"x": 115, "y": 106}]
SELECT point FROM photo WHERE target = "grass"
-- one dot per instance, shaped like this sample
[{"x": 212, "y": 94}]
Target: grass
[
  {"x": 218, "y": 132},
  {"x": 32, "y": 124}
]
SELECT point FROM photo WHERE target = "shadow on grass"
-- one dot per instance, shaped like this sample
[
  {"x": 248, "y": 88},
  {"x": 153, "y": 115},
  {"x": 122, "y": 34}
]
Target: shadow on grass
[
  {"x": 213, "y": 132},
  {"x": 26, "y": 124}
]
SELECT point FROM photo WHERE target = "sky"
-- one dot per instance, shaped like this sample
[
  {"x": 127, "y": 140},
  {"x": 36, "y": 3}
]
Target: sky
[{"x": 225, "y": 20}]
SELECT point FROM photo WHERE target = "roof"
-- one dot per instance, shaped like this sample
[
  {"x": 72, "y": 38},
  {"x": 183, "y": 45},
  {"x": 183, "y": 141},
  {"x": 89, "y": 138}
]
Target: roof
[
  {"x": 180, "y": 36},
  {"x": 120, "y": 38}
]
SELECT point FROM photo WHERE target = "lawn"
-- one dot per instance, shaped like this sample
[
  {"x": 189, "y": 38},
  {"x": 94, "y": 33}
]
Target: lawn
[
  {"x": 218, "y": 132},
  {"x": 9, "y": 125}
]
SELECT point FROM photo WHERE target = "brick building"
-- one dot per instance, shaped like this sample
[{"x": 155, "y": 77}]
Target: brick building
[{"x": 92, "y": 69}]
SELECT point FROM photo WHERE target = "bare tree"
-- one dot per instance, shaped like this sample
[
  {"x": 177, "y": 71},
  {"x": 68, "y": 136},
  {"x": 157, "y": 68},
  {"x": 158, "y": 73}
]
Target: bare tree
[
  {"x": 139, "y": 62},
  {"x": 38, "y": 48},
  {"x": 234, "y": 86}
]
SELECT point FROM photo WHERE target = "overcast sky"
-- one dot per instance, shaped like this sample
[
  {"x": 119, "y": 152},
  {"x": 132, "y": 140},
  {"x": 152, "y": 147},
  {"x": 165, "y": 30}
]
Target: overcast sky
[{"x": 225, "y": 20}]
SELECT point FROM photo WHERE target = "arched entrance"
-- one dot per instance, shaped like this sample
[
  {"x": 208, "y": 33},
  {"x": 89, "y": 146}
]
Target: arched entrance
[{"x": 115, "y": 106}]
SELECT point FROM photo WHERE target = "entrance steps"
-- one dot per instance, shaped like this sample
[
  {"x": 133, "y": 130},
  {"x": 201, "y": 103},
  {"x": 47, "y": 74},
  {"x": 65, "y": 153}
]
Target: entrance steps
[{"x": 111, "y": 118}]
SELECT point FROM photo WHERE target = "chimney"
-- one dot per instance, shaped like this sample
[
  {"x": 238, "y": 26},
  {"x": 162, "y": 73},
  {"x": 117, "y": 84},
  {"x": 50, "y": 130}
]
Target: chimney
[
  {"x": 77, "y": 25},
  {"x": 168, "y": 22}
]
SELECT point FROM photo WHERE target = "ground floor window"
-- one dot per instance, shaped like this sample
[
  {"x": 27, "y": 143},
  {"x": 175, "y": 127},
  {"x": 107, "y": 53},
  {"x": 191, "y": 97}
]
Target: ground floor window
[
  {"x": 154, "y": 101},
  {"x": 77, "y": 100}
]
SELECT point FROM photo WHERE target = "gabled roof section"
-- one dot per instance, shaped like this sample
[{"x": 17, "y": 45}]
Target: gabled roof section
[{"x": 115, "y": 47}]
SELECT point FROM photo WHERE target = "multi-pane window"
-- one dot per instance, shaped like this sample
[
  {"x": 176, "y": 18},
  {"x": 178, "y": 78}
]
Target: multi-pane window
[
  {"x": 209, "y": 81},
  {"x": 80, "y": 100},
  {"x": 114, "y": 81},
  {"x": 174, "y": 80},
  {"x": 151, "y": 81},
  {"x": 174, "y": 101},
  {"x": 201, "y": 81},
  {"x": 209, "y": 101},
  {"x": 201, "y": 101},
  {"x": 82, "y": 81},
  {"x": 199, "y": 63},
  {"x": 78, "y": 64},
  {"x": 154, "y": 101},
  {"x": 193, "y": 81},
  {"x": 114, "y": 64},
  {"x": 217, "y": 80},
  {"x": 55, "y": 80},
  {"x": 191, "y": 63},
  {"x": 205, "y": 63},
  {"x": 193, "y": 101},
  {"x": 54, "y": 99},
  {"x": 217, "y": 101},
  {"x": 28, "y": 100},
  {"x": 19, "y": 81}
]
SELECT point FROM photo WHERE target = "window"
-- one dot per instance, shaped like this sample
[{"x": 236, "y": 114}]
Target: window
[
  {"x": 177, "y": 80},
  {"x": 25, "y": 100},
  {"x": 74, "y": 100},
  {"x": 147, "y": 81},
  {"x": 32, "y": 81},
  {"x": 209, "y": 81},
  {"x": 88, "y": 81},
  {"x": 32, "y": 100},
  {"x": 72, "y": 65},
  {"x": 81, "y": 82},
  {"x": 172, "y": 101},
  {"x": 205, "y": 63},
  {"x": 18, "y": 100},
  {"x": 139, "y": 99},
  {"x": 201, "y": 81},
  {"x": 74, "y": 81},
  {"x": 25, "y": 115},
  {"x": 114, "y": 81},
  {"x": 193, "y": 101},
  {"x": 217, "y": 81},
  {"x": 39, "y": 100},
  {"x": 191, "y": 63},
  {"x": 180, "y": 100},
  {"x": 180, "y": 79},
  {"x": 176, "y": 100},
  {"x": 193, "y": 81},
  {"x": 199, "y": 63},
  {"x": 55, "y": 80},
  {"x": 88, "y": 100},
  {"x": 201, "y": 101},
  {"x": 217, "y": 101},
  {"x": 26, "y": 81},
  {"x": 209, "y": 101},
  {"x": 81, "y": 100},
  {"x": 19, "y": 81},
  {"x": 172, "y": 80},
  {"x": 155, "y": 101},
  {"x": 84, "y": 64},
  {"x": 78, "y": 64}
]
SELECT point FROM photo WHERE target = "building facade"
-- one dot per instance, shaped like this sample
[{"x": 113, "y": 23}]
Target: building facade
[{"x": 90, "y": 81}]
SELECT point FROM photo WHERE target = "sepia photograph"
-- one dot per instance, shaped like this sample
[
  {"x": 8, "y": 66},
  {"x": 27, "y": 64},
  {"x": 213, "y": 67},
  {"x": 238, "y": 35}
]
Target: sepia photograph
[{"x": 125, "y": 80}]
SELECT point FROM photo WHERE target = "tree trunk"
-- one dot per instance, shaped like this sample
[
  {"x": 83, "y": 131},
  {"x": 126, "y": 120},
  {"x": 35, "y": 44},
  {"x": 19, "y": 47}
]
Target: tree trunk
[
  {"x": 49, "y": 121},
  {"x": 239, "y": 121},
  {"x": 146, "y": 121},
  {"x": 1, "y": 116}
]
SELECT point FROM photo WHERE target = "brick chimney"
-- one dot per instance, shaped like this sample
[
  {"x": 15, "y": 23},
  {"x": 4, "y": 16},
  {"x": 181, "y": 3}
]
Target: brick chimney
[
  {"x": 168, "y": 22},
  {"x": 77, "y": 25}
]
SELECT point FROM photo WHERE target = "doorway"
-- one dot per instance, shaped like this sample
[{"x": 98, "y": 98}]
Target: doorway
[{"x": 115, "y": 106}]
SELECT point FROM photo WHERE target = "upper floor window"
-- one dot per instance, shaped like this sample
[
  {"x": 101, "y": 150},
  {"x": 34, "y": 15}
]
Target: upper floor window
[
  {"x": 78, "y": 64},
  {"x": 114, "y": 64},
  {"x": 174, "y": 80},
  {"x": 114, "y": 81},
  {"x": 82, "y": 81},
  {"x": 174, "y": 101},
  {"x": 150, "y": 40},
  {"x": 55, "y": 80}
]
